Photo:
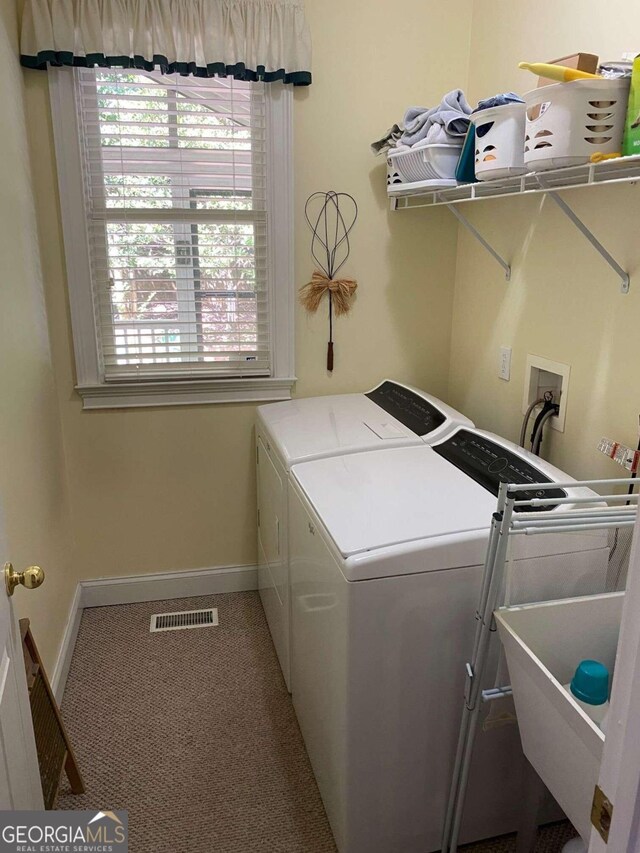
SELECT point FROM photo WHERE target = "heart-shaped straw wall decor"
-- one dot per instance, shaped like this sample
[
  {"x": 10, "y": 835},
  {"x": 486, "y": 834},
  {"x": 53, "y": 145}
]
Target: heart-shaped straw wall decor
[{"x": 331, "y": 216}]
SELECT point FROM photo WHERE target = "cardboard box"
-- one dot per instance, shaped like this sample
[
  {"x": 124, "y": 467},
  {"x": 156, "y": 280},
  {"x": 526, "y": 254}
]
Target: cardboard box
[
  {"x": 580, "y": 61},
  {"x": 631, "y": 138}
]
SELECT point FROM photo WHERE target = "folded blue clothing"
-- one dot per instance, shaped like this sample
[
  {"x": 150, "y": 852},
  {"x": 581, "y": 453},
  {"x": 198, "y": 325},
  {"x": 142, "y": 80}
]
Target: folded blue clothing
[
  {"x": 448, "y": 122},
  {"x": 499, "y": 101}
]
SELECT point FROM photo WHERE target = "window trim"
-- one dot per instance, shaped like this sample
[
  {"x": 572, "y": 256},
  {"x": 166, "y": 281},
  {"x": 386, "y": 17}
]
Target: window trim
[{"x": 90, "y": 385}]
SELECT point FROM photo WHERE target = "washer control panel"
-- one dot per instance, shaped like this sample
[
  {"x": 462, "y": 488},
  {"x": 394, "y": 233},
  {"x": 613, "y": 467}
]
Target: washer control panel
[
  {"x": 412, "y": 410},
  {"x": 490, "y": 464}
]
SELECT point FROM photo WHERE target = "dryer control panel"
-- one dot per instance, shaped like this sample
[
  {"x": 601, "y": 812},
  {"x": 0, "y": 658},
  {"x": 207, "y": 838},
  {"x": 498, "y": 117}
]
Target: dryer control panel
[
  {"x": 412, "y": 410},
  {"x": 490, "y": 464}
]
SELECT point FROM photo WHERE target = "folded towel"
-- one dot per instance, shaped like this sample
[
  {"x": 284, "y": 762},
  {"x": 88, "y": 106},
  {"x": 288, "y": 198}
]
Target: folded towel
[
  {"x": 448, "y": 122},
  {"x": 389, "y": 140}
]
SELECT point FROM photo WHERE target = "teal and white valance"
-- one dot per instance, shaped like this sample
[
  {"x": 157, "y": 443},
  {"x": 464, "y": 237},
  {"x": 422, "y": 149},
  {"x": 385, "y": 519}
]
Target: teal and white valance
[{"x": 246, "y": 39}]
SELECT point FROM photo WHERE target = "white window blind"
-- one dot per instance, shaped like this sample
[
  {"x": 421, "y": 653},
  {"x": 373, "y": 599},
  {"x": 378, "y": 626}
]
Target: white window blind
[{"x": 175, "y": 195}]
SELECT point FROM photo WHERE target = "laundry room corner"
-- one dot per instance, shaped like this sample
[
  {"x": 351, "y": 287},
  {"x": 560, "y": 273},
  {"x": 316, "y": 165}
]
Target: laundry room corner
[
  {"x": 119, "y": 460},
  {"x": 563, "y": 302},
  {"x": 36, "y": 517}
]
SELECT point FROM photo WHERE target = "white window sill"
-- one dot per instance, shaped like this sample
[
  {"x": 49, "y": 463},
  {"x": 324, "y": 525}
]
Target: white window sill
[{"x": 127, "y": 395}]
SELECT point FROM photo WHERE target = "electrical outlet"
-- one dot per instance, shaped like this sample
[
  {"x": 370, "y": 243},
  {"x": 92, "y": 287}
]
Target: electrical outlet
[{"x": 504, "y": 368}]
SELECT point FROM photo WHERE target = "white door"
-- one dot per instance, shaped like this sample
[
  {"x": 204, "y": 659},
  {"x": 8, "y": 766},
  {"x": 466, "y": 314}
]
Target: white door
[
  {"x": 619, "y": 776},
  {"x": 20, "y": 786}
]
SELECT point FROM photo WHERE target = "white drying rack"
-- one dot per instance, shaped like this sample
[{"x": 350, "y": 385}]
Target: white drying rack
[{"x": 512, "y": 519}]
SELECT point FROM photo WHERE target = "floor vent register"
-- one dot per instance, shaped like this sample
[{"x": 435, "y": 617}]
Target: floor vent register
[{"x": 185, "y": 619}]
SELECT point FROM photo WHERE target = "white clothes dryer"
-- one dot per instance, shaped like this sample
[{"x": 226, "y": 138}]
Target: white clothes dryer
[
  {"x": 386, "y": 560},
  {"x": 391, "y": 415}
]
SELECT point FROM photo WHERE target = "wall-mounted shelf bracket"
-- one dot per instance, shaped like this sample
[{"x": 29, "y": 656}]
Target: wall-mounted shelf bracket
[
  {"x": 473, "y": 230},
  {"x": 597, "y": 245},
  {"x": 619, "y": 170}
]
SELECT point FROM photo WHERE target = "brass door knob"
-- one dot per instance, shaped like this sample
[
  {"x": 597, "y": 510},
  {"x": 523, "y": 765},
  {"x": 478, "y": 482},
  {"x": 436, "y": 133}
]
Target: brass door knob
[{"x": 31, "y": 578}]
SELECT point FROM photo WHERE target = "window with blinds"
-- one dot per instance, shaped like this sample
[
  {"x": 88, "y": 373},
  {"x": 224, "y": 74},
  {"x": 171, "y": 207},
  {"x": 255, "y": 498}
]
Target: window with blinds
[{"x": 175, "y": 195}]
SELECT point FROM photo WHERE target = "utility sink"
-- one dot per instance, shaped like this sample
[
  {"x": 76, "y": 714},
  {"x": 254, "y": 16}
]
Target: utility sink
[{"x": 544, "y": 643}]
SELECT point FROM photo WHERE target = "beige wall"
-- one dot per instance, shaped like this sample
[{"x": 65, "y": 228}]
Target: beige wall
[
  {"x": 563, "y": 301},
  {"x": 33, "y": 491},
  {"x": 174, "y": 488},
  {"x": 369, "y": 64}
]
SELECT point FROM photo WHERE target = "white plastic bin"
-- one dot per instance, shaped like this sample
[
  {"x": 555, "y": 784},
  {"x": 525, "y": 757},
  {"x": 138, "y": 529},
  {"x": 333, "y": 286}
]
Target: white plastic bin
[
  {"x": 422, "y": 166},
  {"x": 499, "y": 148},
  {"x": 393, "y": 175},
  {"x": 568, "y": 122},
  {"x": 543, "y": 644}
]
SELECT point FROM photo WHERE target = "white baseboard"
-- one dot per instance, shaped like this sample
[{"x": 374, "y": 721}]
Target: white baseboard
[
  {"x": 63, "y": 662},
  {"x": 163, "y": 585},
  {"x": 132, "y": 589}
]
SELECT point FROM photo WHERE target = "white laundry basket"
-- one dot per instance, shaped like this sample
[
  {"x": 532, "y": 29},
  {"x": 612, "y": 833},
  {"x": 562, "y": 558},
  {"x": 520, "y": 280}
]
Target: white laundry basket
[
  {"x": 423, "y": 165},
  {"x": 543, "y": 644},
  {"x": 568, "y": 122},
  {"x": 393, "y": 175},
  {"x": 499, "y": 148}
]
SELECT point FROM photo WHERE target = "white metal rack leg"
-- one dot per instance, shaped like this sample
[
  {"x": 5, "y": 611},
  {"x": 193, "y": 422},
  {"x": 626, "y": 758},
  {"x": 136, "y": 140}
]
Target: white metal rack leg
[
  {"x": 491, "y": 585},
  {"x": 496, "y": 550}
]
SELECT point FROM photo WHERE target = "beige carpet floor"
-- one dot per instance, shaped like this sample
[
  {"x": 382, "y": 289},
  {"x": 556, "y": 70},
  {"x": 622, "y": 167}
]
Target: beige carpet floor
[{"x": 193, "y": 732}]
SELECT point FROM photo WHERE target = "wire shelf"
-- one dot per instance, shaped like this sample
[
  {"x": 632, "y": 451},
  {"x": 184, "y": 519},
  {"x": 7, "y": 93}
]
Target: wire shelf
[
  {"x": 615, "y": 171},
  {"x": 620, "y": 170}
]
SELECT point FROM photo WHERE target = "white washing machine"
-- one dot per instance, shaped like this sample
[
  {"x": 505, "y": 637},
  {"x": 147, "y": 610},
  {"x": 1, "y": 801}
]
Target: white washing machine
[
  {"x": 386, "y": 557},
  {"x": 391, "y": 415}
]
